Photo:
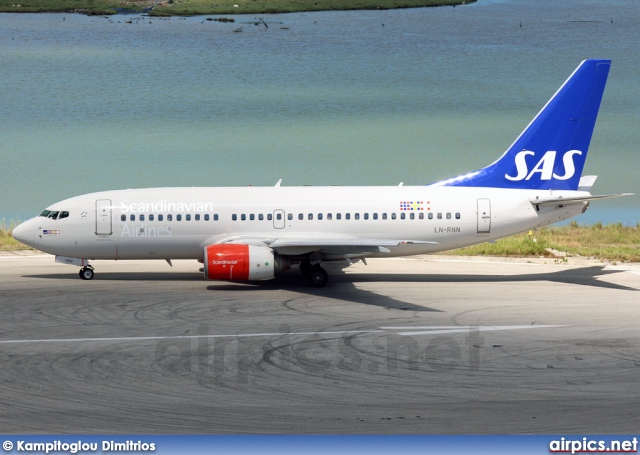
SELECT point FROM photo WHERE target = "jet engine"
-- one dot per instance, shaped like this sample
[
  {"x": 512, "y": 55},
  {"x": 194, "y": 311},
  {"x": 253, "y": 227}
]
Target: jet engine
[{"x": 238, "y": 262}]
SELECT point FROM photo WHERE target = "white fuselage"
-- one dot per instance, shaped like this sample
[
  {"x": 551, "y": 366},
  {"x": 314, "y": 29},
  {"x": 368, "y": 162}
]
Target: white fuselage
[{"x": 177, "y": 223}]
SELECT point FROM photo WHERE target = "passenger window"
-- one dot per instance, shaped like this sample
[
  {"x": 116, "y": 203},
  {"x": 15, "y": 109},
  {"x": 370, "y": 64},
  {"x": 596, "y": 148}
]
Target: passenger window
[
  {"x": 187, "y": 217},
  {"x": 393, "y": 216},
  {"x": 151, "y": 218},
  {"x": 457, "y": 215},
  {"x": 310, "y": 216},
  {"x": 279, "y": 216},
  {"x": 319, "y": 216},
  {"x": 63, "y": 215},
  {"x": 141, "y": 217},
  {"x": 375, "y": 216},
  {"x": 243, "y": 217},
  {"x": 160, "y": 217},
  {"x": 132, "y": 217},
  {"x": 347, "y": 216},
  {"x": 421, "y": 216},
  {"x": 215, "y": 217},
  {"x": 179, "y": 217},
  {"x": 356, "y": 216},
  {"x": 123, "y": 217},
  {"x": 197, "y": 217},
  {"x": 261, "y": 217},
  {"x": 300, "y": 216},
  {"x": 234, "y": 217},
  {"x": 384, "y": 216},
  {"x": 338, "y": 216},
  {"x": 448, "y": 215},
  {"x": 329, "y": 216},
  {"x": 412, "y": 216},
  {"x": 289, "y": 216},
  {"x": 206, "y": 217},
  {"x": 403, "y": 216},
  {"x": 169, "y": 217},
  {"x": 269, "y": 216},
  {"x": 366, "y": 216},
  {"x": 252, "y": 217},
  {"x": 439, "y": 215},
  {"x": 430, "y": 216}
]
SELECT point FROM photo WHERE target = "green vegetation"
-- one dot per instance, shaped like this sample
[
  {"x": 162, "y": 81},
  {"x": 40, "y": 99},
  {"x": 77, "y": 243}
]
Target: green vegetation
[
  {"x": 53, "y": 6},
  {"x": 8, "y": 243},
  {"x": 197, "y": 7},
  {"x": 613, "y": 242}
]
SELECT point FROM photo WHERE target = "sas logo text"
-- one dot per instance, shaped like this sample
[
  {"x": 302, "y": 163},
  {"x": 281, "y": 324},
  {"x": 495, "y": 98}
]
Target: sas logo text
[{"x": 544, "y": 167}]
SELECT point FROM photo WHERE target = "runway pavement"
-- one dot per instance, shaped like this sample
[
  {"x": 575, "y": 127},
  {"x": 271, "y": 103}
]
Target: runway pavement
[{"x": 431, "y": 344}]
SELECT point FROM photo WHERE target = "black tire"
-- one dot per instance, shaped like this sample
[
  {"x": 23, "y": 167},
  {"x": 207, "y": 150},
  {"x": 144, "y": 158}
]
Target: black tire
[
  {"x": 86, "y": 274},
  {"x": 318, "y": 277}
]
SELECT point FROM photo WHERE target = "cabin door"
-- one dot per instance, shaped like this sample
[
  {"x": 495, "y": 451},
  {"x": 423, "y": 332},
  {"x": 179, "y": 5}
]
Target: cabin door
[
  {"x": 103, "y": 217},
  {"x": 484, "y": 216}
]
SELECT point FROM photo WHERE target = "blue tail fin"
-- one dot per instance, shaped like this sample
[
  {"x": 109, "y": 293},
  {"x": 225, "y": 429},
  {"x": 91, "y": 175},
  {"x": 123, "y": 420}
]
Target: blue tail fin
[{"x": 550, "y": 153}]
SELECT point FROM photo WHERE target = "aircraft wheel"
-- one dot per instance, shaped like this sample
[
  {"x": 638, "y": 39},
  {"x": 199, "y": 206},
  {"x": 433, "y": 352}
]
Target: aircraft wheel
[
  {"x": 86, "y": 274},
  {"x": 318, "y": 277}
]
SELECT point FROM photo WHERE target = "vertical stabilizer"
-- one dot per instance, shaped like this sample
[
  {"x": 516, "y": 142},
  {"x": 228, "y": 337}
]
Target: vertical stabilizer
[{"x": 550, "y": 153}]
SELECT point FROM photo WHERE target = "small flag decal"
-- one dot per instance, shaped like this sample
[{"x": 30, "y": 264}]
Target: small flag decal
[{"x": 412, "y": 205}]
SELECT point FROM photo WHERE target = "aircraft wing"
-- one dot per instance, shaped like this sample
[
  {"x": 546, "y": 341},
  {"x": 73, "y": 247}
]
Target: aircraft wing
[
  {"x": 346, "y": 246},
  {"x": 575, "y": 200},
  {"x": 337, "y": 245},
  {"x": 352, "y": 244}
]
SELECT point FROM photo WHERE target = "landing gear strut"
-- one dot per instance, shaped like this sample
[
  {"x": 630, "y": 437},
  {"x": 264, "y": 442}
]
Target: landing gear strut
[
  {"x": 315, "y": 274},
  {"x": 86, "y": 273}
]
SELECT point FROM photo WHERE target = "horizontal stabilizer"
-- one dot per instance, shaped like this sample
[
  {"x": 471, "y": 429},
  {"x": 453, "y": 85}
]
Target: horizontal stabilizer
[{"x": 575, "y": 200}]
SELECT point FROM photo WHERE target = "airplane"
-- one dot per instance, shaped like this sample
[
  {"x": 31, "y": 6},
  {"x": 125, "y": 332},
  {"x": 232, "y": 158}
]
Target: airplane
[{"x": 253, "y": 233}]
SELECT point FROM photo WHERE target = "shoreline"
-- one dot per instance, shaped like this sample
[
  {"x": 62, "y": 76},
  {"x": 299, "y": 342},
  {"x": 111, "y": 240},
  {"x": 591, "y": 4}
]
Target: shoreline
[{"x": 168, "y": 8}]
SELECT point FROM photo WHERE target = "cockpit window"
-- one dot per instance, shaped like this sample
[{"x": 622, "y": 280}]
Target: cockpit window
[{"x": 54, "y": 214}]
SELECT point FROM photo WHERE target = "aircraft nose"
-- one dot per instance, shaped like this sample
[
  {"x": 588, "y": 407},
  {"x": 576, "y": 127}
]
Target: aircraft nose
[{"x": 23, "y": 233}]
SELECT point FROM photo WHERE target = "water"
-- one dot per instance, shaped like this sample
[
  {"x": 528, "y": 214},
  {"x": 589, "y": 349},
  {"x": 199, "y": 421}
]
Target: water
[{"x": 90, "y": 104}]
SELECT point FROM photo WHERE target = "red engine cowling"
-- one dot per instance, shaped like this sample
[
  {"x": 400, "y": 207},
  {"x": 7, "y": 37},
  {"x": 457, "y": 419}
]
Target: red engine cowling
[{"x": 234, "y": 262}]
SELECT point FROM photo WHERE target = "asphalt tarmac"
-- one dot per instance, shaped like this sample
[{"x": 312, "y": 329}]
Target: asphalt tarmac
[{"x": 424, "y": 345}]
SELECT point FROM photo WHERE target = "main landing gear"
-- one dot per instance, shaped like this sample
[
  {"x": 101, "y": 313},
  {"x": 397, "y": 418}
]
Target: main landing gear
[
  {"x": 86, "y": 272},
  {"x": 315, "y": 274}
]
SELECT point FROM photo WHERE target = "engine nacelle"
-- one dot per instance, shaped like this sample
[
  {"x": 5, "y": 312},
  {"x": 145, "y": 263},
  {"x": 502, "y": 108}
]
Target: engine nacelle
[{"x": 236, "y": 262}]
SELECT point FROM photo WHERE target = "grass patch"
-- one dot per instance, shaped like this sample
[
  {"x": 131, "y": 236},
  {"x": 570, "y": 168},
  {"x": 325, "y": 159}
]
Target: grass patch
[
  {"x": 199, "y": 7},
  {"x": 189, "y": 7},
  {"x": 613, "y": 242},
  {"x": 8, "y": 243},
  {"x": 55, "y": 6}
]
